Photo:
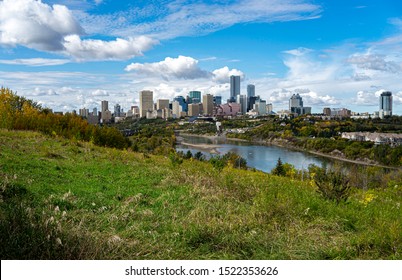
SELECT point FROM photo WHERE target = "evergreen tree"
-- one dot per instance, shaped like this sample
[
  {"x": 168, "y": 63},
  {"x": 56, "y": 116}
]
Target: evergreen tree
[{"x": 279, "y": 168}]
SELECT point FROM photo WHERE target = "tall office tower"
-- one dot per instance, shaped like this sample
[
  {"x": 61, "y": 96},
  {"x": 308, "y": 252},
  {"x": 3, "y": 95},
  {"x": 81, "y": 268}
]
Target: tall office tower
[
  {"x": 84, "y": 112},
  {"x": 250, "y": 94},
  {"x": 162, "y": 104},
  {"x": 176, "y": 109},
  {"x": 136, "y": 111},
  {"x": 182, "y": 102},
  {"x": 251, "y": 101},
  {"x": 117, "y": 110},
  {"x": 217, "y": 100},
  {"x": 242, "y": 100},
  {"x": 386, "y": 104},
  {"x": 146, "y": 102},
  {"x": 234, "y": 87},
  {"x": 270, "y": 108},
  {"x": 194, "y": 109},
  {"x": 296, "y": 104},
  {"x": 208, "y": 104},
  {"x": 261, "y": 106},
  {"x": 295, "y": 101},
  {"x": 106, "y": 115},
  {"x": 326, "y": 111},
  {"x": 104, "y": 105},
  {"x": 95, "y": 111},
  {"x": 195, "y": 96},
  {"x": 250, "y": 90}
]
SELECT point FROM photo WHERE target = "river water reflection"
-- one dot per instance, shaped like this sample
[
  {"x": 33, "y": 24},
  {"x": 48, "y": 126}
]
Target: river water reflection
[{"x": 261, "y": 157}]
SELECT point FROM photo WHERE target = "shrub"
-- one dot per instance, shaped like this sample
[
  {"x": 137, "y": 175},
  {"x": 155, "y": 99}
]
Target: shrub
[
  {"x": 175, "y": 159},
  {"x": 332, "y": 184}
]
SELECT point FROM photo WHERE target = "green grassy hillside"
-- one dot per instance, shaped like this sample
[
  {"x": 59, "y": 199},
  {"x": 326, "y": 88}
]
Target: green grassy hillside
[{"x": 62, "y": 199}]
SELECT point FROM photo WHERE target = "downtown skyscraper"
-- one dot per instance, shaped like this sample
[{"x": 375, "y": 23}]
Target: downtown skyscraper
[
  {"x": 234, "y": 87},
  {"x": 146, "y": 102}
]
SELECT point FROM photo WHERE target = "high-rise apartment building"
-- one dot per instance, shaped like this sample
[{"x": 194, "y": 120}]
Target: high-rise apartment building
[
  {"x": 146, "y": 102},
  {"x": 385, "y": 104},
  {"x": 234, "y": 87},
  {"x": 208, "y": 104}
]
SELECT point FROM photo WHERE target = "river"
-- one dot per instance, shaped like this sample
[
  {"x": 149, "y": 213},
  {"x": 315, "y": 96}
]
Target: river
[{"x": 261, "y": 157}]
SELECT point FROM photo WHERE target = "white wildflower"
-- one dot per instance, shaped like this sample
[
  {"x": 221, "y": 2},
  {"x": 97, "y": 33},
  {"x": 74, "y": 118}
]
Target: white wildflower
[
  {"x": 58, "y": 241},
  {"x": 115, "y": 239}
]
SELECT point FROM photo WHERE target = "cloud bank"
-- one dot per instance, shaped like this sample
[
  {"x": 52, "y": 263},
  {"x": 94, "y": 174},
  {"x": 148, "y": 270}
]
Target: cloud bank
[
  {"x": 36, "y": 25},
  {"x": 182, "y": 67}
]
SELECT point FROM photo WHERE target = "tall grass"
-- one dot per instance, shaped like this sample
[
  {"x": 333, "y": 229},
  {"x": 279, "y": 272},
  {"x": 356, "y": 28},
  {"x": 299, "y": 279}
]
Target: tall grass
[{"x": 64, "y": 199}]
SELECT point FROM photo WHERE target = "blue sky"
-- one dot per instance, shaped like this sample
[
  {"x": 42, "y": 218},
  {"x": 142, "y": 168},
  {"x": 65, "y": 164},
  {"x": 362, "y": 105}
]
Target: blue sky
[{"x": 73, "y": 54}]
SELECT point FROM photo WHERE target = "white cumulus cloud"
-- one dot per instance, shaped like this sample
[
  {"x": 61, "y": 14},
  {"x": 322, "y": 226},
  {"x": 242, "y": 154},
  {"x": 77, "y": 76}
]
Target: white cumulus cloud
[
  {"x": 100, "y": 92},
  {"x": 39, "y": 26},
  {"x": 374, "y": 62},
  {"x": 366, "y": 98},
  {"x": 36, "y": 25},
  {"x": 182, "y": 67},
  {"x": 119, "y": 49},
  {"x": 223, "y": 74}
]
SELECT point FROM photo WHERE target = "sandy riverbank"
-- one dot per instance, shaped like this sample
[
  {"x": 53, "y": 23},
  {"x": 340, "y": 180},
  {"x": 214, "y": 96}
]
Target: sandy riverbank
[{"x": 212, "y": 149}]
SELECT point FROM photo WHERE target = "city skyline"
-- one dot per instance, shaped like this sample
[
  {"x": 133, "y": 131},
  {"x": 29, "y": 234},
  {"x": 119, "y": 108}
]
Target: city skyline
[{"x": 73, "y": 54}]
